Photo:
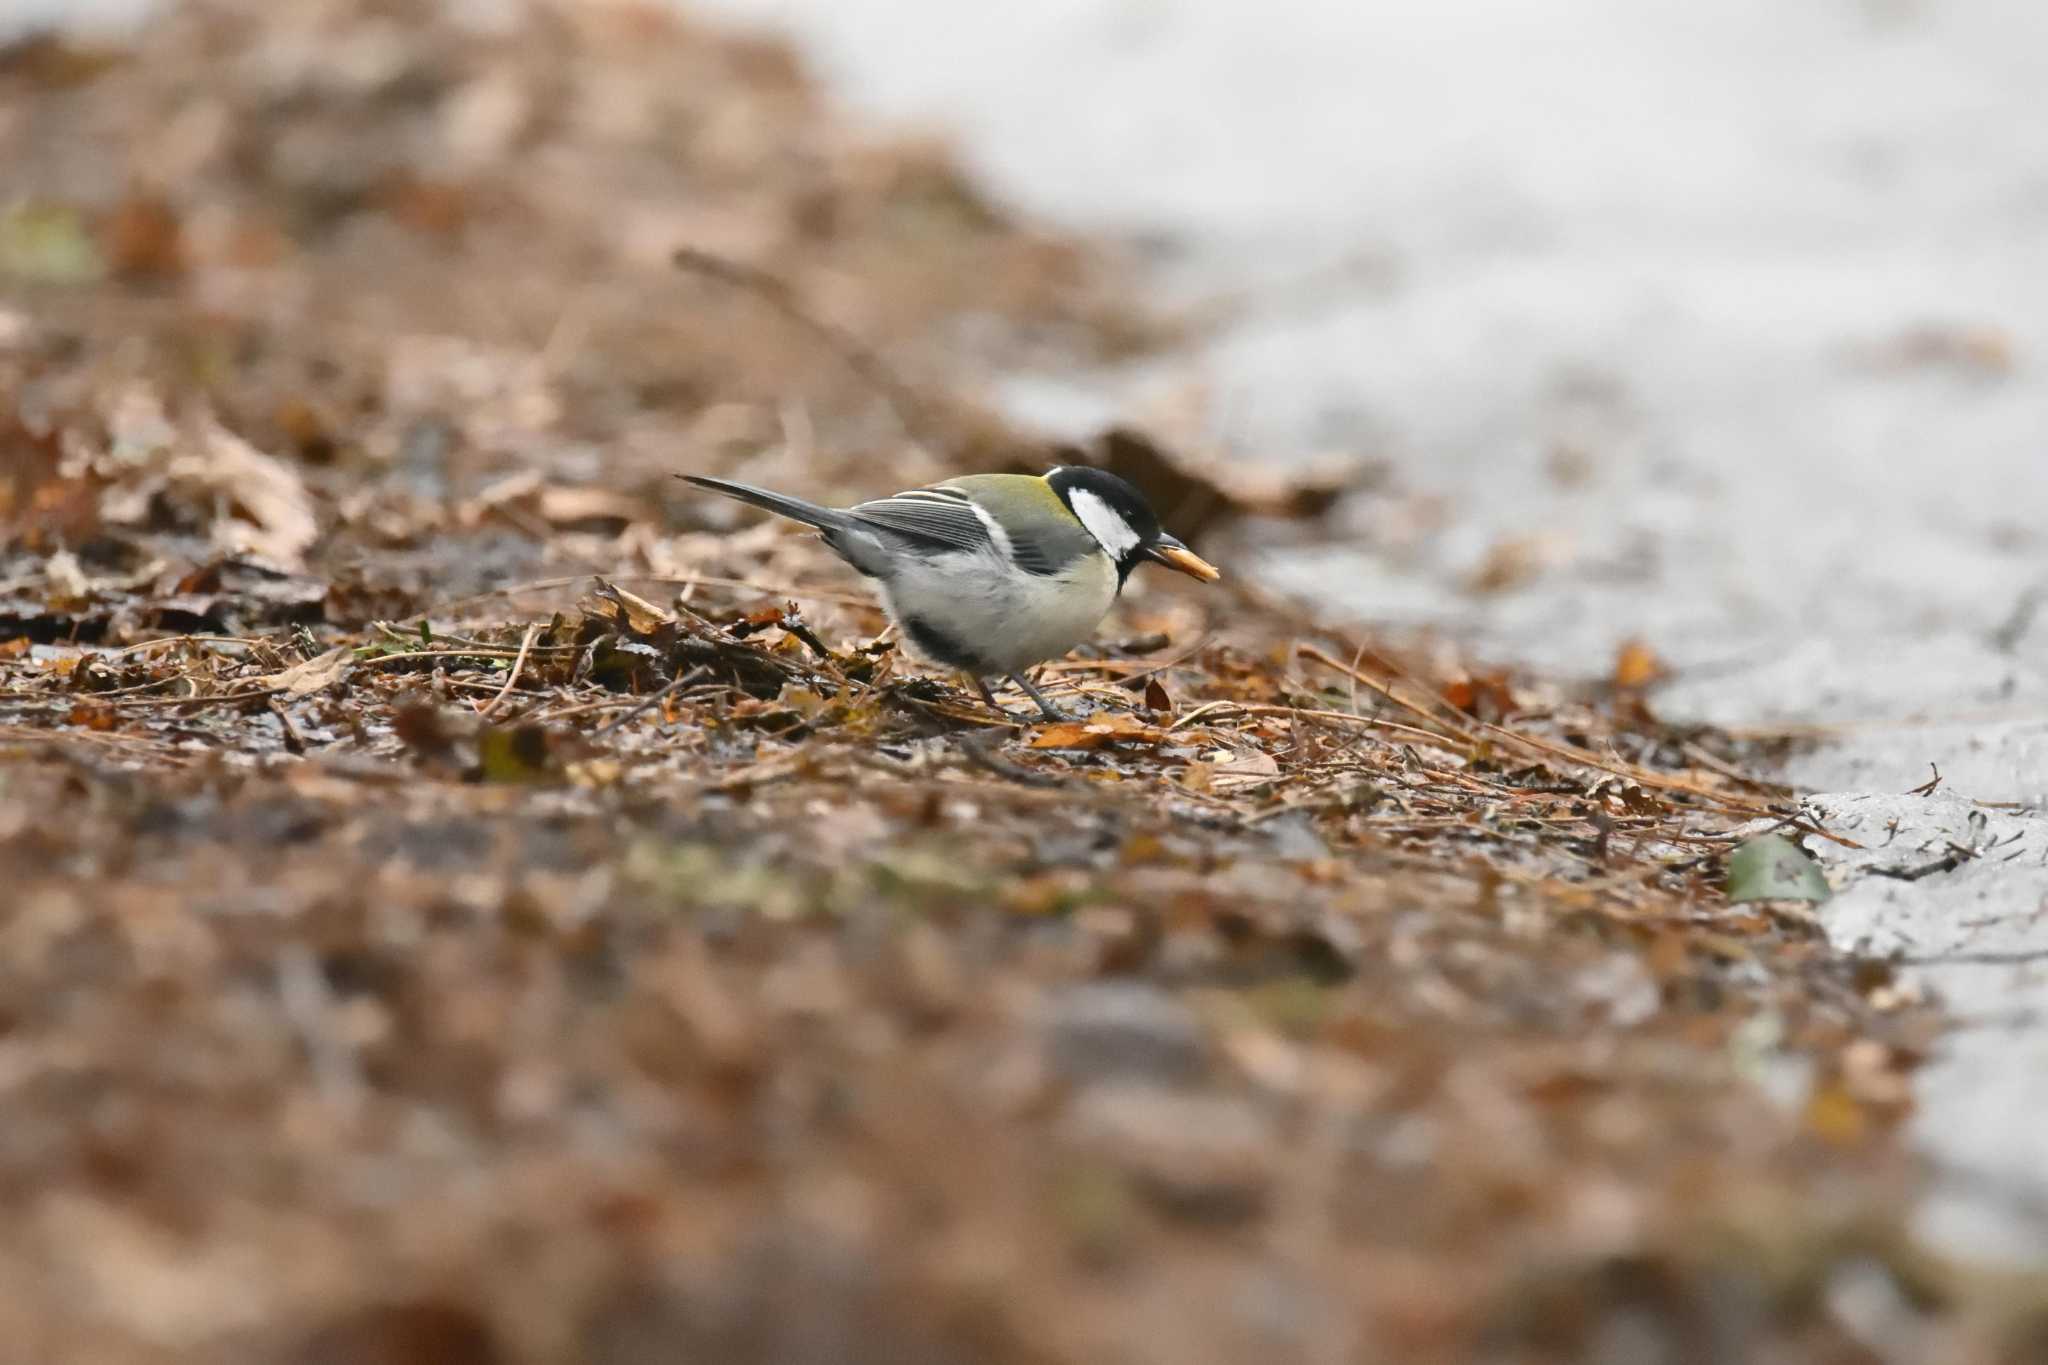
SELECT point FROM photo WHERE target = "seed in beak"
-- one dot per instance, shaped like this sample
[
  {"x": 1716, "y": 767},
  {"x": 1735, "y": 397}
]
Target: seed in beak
[{"x": 1180, "y": 558}]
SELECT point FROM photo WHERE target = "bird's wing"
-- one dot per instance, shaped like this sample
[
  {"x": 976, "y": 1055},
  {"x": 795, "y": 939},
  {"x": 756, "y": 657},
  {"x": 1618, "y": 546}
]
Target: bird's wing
[
  {"x": 942, "y": 517},
  {"x": 1045, "y": 538}
]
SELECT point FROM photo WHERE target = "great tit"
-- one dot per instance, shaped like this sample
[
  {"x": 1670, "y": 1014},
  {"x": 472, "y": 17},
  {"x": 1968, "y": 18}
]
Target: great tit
[{"x": 992, "y": 573}]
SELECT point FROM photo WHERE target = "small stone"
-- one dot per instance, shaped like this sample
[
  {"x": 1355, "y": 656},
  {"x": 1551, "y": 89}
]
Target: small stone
[{"x": 1124, "y": 1030}]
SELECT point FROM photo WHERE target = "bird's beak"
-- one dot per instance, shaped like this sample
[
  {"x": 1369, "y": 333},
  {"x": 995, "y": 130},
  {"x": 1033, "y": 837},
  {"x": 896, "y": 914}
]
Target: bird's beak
[{"x": 1174, "y": 555}]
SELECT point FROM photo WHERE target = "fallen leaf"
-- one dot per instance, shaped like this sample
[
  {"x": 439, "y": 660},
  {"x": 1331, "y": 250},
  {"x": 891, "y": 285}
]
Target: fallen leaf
[
  {"x": 270, "y": 512},
  {"x": 437, "y": 208},
  {"x": 48, "y": 243},
  {"x": 516, "y": 753},
  {"x": 1232, "y": 773},
  {"x": 91, "y": 716},
  {"x": 1096, "y": 732},
  {"x": 313, "y": 675},
  {"x": 1836, "y": 1117},
  {"x": 600, "y": 510},
  {"x": 569, "y": 506},
  {"x": 142, "y": 239},
  {"x": 1512, "y": 562},
  {"x": 1963, "y": 347},
  {"x": 639, "y": 615},
  {"x": 1485, "y": 696},
  {"x": 424, "y": 727},
  {"x": 1636, "y": 666},
  {"x": 1771, "y": 867}
]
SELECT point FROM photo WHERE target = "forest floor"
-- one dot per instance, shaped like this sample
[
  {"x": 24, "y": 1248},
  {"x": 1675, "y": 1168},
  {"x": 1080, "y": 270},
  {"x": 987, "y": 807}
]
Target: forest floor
[{"x": 472, "y": 900}]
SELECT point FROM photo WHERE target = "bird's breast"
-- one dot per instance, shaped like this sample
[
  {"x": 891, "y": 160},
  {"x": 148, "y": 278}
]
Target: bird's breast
[{"x": 994, "y": 618}]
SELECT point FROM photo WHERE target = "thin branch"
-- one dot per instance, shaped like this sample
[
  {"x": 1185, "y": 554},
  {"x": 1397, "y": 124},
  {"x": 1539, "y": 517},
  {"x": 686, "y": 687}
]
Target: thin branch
[{"x": 512, "y": 678}]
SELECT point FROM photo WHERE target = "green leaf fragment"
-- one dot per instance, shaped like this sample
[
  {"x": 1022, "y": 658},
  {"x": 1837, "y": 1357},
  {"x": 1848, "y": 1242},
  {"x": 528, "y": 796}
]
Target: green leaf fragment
[
  {"x": 514, "y": 754},
  {"x": 48, "y": 243},
  {"x": 1771, "y": 867}
]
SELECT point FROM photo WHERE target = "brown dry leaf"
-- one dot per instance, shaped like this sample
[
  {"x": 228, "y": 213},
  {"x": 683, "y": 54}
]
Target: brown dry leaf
[
  {"x": 66, "y": 581},
  {"x": 558, "y": 505},
  {"x": 519, "y": 486},
  {"x": 1636, "y": 666},
  {"x": 515, "y": 753},
  {"x": 594, "y": 508},
  {"x": 271, "y": 514},
  {"x": 434, "y": 207},
  {"x": 91, "y": 716},
  {"x": 1096, "y": 732},
  {"x": 1486, "y": 696},
  {"x": 1513, "y": 562},
  {"x": 1232, "y": 773},
  {"x": 642, "y": 616},
  {"x": 1836, "y": 1116},
  {"x": 310, "y": 429},
  {"x": 143, "y": 239},
  {"x": 1970, "y": 348},
  {"x": 424, "y": 727},
  {"x": 33, "y": 498},
  {"x": 1876, "y": 1074},
  {"x": 313, "y": 675}
]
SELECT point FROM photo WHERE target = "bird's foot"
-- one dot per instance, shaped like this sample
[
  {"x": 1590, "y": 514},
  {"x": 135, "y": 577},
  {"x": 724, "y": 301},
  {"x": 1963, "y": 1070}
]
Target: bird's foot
[{"x": 1045, "y": 708}]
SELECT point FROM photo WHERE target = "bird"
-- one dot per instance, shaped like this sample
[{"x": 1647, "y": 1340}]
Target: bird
[{"x": 989, "y": 574}]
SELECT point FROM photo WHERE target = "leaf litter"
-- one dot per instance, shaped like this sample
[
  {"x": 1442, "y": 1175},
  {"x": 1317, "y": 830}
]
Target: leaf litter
[{"x": 471, "y": 902}]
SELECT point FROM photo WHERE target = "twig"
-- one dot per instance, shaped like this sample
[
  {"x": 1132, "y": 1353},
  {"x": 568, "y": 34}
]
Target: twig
[
  {"x": 1956, "y": 856},
  {"x": 2018, "y": 957},
  {"x": 258, "y": 695},
  {"x": 980, "y": 752},
  {"x": 293, "y": 740},
  {"x": 30, "y": 695},
  {"x": 1707, "y": 759},
  {"x": 463, "y": 652},
  {"x": 686, "y": 581},
  {"x": 1337, "y": 717},
  {"x": 1455, "y": 729},
  {"x": 179, "y": 640},
  {"x": 674, "y": 685},
  {"x": 512, "y": 678},
  {"x": 1130, "y": 669},
  {"x": 1930, "y": 786}
]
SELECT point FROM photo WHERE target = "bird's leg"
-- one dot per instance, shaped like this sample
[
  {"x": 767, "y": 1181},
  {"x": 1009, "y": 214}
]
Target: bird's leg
[
  {"x": 1046, "y": 708},
  {"x": 988, "y": 696}
]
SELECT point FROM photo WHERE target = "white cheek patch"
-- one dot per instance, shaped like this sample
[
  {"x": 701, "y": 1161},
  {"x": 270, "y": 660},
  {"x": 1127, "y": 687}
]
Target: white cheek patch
[{"x": 1110, "y": 530}]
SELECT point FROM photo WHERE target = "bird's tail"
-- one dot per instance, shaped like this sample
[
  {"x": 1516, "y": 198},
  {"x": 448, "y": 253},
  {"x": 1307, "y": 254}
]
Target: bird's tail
[{"x": 796, "y": 509}]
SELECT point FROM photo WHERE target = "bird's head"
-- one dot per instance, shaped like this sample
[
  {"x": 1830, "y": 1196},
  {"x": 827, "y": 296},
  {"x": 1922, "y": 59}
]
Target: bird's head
[{"x": 1123, "y": 522}]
